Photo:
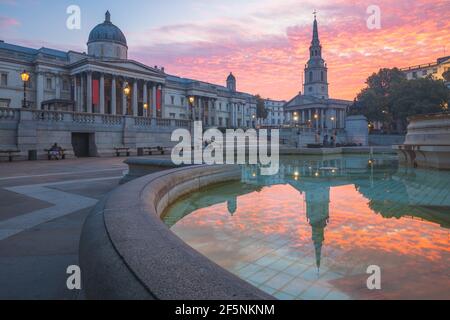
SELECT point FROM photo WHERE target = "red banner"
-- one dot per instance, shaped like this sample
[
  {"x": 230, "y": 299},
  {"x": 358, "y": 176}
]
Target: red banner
[
  {"x": 158, "y": 99},
  {"x": 95, "y": 92}
]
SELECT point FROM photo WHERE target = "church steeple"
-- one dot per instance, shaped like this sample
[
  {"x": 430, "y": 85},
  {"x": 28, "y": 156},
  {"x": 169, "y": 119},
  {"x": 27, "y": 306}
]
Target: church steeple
[
  {"x": 316, "y": 72},
  {"x": 315, "y": 40}
]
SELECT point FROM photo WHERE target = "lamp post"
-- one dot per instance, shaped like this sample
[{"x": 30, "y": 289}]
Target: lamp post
[
  {"x": 145, "y": 110},
  {"x": 25, "y": 78},
  {"x": 127, "y": 91},
  {"x": 191, "y": 105}
]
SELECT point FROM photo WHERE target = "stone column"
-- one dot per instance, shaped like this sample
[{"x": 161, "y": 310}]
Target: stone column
[
  {"x": 113, "y": 96},
  {"x": 145, "y": 99},
  {"x": 124, "y": 99},
  {"x": 163, "y": 101},
  {"x": 82, "y": 81},
  {"x": 39, "y": 90},
  {"x": 135, "y": 98},
  {"x": 57, "y": 86},
  {"x": 154, "y": 113},
  {"x": 75, "y": 93},
  {"x": 89, "y": 92},
  {"x": 102, "y": 94},
  {"x": 200, "y": 114}
]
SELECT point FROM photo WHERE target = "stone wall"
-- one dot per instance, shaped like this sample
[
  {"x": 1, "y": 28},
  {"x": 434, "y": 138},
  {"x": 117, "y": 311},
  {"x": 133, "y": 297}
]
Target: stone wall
[
  {"x": 386, "y": 139},
  {"x": 25, "y": 130}
]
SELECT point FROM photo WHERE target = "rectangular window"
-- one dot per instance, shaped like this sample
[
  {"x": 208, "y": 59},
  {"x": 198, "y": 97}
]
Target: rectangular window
[
  {"x": 4, "y": 80},
  {"x": 182, "y": 101},
  {"x": 424, "y": 72},
  {"x": 220, "y": 121},
  {"x": 415, "y": 75},
  {"x": 4, "y": 103},
  {"x": 172, "y": 115},
  {"x": 172, "y": 98},
  {"x": 49, "y": 84}
]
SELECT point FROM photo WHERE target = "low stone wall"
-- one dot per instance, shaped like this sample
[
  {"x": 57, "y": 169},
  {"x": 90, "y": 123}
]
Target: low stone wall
[
  {"x": 386, "y": 139},
  {"x": 127, "y": 252}
]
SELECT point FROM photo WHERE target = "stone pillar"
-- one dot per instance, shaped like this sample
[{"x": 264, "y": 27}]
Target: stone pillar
[
  {"x": 82, "y": 81},
  {"x": 89, "y": 92},
  {"x": 154, "y": 113},
  {"x": 200, "y": 115},
  {"x": 39, "y": 90},
  {"x": 75, "y": 93},
  {"x": 102, "y": 94},
  {"x": 145, "y": 99},
  {"x": 135, "y": 98},
  {"x": 163, "y": 101},
  {"x": 124, "y": 99},
  {"x": 57, "y": 86},
  {"x": 113, "y": 96}
]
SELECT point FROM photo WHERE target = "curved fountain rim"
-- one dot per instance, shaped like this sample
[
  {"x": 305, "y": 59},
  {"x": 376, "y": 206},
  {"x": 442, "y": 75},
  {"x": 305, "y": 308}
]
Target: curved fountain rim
[{"x": 164, "y": 265}]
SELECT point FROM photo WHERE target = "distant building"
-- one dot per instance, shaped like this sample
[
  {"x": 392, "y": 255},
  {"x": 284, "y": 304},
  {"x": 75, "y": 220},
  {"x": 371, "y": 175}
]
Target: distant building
[
  {"x": 435, "y": 69},
  {"x": 275, "y": 113},
  {"x": 314, "y": 108}
]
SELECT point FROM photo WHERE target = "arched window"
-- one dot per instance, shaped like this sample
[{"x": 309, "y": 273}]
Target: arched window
[{"x": 310, "y": 76}]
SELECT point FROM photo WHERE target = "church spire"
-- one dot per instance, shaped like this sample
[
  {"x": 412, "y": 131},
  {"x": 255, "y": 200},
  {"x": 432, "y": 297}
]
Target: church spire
[{"x": 315, "y": 39}]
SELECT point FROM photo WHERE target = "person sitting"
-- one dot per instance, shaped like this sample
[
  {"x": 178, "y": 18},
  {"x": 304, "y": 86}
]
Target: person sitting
[{"x": 55, "y": 152}]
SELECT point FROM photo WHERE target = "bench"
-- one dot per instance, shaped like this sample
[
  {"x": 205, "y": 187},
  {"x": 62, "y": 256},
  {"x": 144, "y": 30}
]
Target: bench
[
  {"x": 121, "y": 150},
  {"x": 10, "y": 153},
  {"x": 62, "y": 153},
  {"x": 158, "y": 149}
]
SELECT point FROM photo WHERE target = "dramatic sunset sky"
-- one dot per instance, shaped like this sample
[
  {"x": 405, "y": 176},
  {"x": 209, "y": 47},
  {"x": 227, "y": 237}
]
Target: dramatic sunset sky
[{"x": 263, "y": 42}]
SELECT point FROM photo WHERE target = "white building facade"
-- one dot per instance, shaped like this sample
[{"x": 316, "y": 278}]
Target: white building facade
[{"x": 95, "y": 83}]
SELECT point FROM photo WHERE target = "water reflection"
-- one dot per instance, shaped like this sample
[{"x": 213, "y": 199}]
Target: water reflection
[{"x": 358, "y": 211}]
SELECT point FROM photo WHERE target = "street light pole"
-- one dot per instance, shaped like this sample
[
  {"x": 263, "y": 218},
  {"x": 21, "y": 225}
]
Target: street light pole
[{"x": 25, "y": 78}]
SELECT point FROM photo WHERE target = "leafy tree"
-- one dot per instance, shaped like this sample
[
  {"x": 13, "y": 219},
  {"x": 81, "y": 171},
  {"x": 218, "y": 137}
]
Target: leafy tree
[
  {"x": 390, "y": 98},
  {"x": 261, "y": 111}
]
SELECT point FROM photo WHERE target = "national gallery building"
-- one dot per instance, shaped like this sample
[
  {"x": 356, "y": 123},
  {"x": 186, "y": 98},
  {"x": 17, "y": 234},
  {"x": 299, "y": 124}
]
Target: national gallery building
[{"x": 102, "y": 100}]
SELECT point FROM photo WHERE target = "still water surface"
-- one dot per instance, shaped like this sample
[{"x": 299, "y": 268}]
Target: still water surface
[{"x": 312, "y": 231}]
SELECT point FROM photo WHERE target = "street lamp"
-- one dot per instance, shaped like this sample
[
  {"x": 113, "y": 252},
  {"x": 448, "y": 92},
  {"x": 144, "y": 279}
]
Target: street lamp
[
  {"x": 25, "y": 78},
  {"x": 127, "y": 91},
  {"x": 146, "y": 109}
]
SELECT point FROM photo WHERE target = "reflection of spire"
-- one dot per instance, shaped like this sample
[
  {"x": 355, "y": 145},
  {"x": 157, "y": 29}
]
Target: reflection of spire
[
  {"x": 232, "y": 206},
  {"x": 317, "y": 212}
]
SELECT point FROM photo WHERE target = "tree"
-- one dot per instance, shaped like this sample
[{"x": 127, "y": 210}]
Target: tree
[
  {"x": 261, "y": 111},
  {"x": 390, "y": 98}
]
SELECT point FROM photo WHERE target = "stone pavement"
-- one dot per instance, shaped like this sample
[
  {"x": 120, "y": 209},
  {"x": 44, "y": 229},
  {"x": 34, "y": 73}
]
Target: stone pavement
[{"x": 43, "y": 206}]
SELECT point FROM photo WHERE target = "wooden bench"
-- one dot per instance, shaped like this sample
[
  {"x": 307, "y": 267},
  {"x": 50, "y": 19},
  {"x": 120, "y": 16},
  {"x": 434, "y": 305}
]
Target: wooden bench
[
  {"x": 62, "y": 153},
  {"x": 10, "y": 153},
  {"x": 157, "y": 149},
  {"x": 121, "y": 150}
]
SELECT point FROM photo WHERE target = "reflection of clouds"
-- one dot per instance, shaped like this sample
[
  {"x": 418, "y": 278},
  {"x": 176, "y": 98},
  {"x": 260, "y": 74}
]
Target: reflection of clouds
[{"x": 274, "y": 220}]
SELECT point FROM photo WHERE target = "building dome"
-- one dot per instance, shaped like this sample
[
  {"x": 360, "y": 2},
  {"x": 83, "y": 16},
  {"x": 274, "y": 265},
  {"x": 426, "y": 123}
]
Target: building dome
[{"x": 106, "y": 40}]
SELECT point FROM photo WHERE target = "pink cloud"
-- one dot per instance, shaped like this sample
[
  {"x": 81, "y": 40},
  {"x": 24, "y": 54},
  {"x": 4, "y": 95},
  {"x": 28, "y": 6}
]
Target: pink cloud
[
  {"x": 7, "y": 22},
  {"x": 271, "y": 64}
]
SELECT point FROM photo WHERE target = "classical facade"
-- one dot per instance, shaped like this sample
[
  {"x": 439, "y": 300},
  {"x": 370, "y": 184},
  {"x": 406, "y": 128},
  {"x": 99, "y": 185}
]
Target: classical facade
[
  {"x": 105, "y": 81},
  {"x": 314, "y": 109},
  {"x": 93, "y": 102}
]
